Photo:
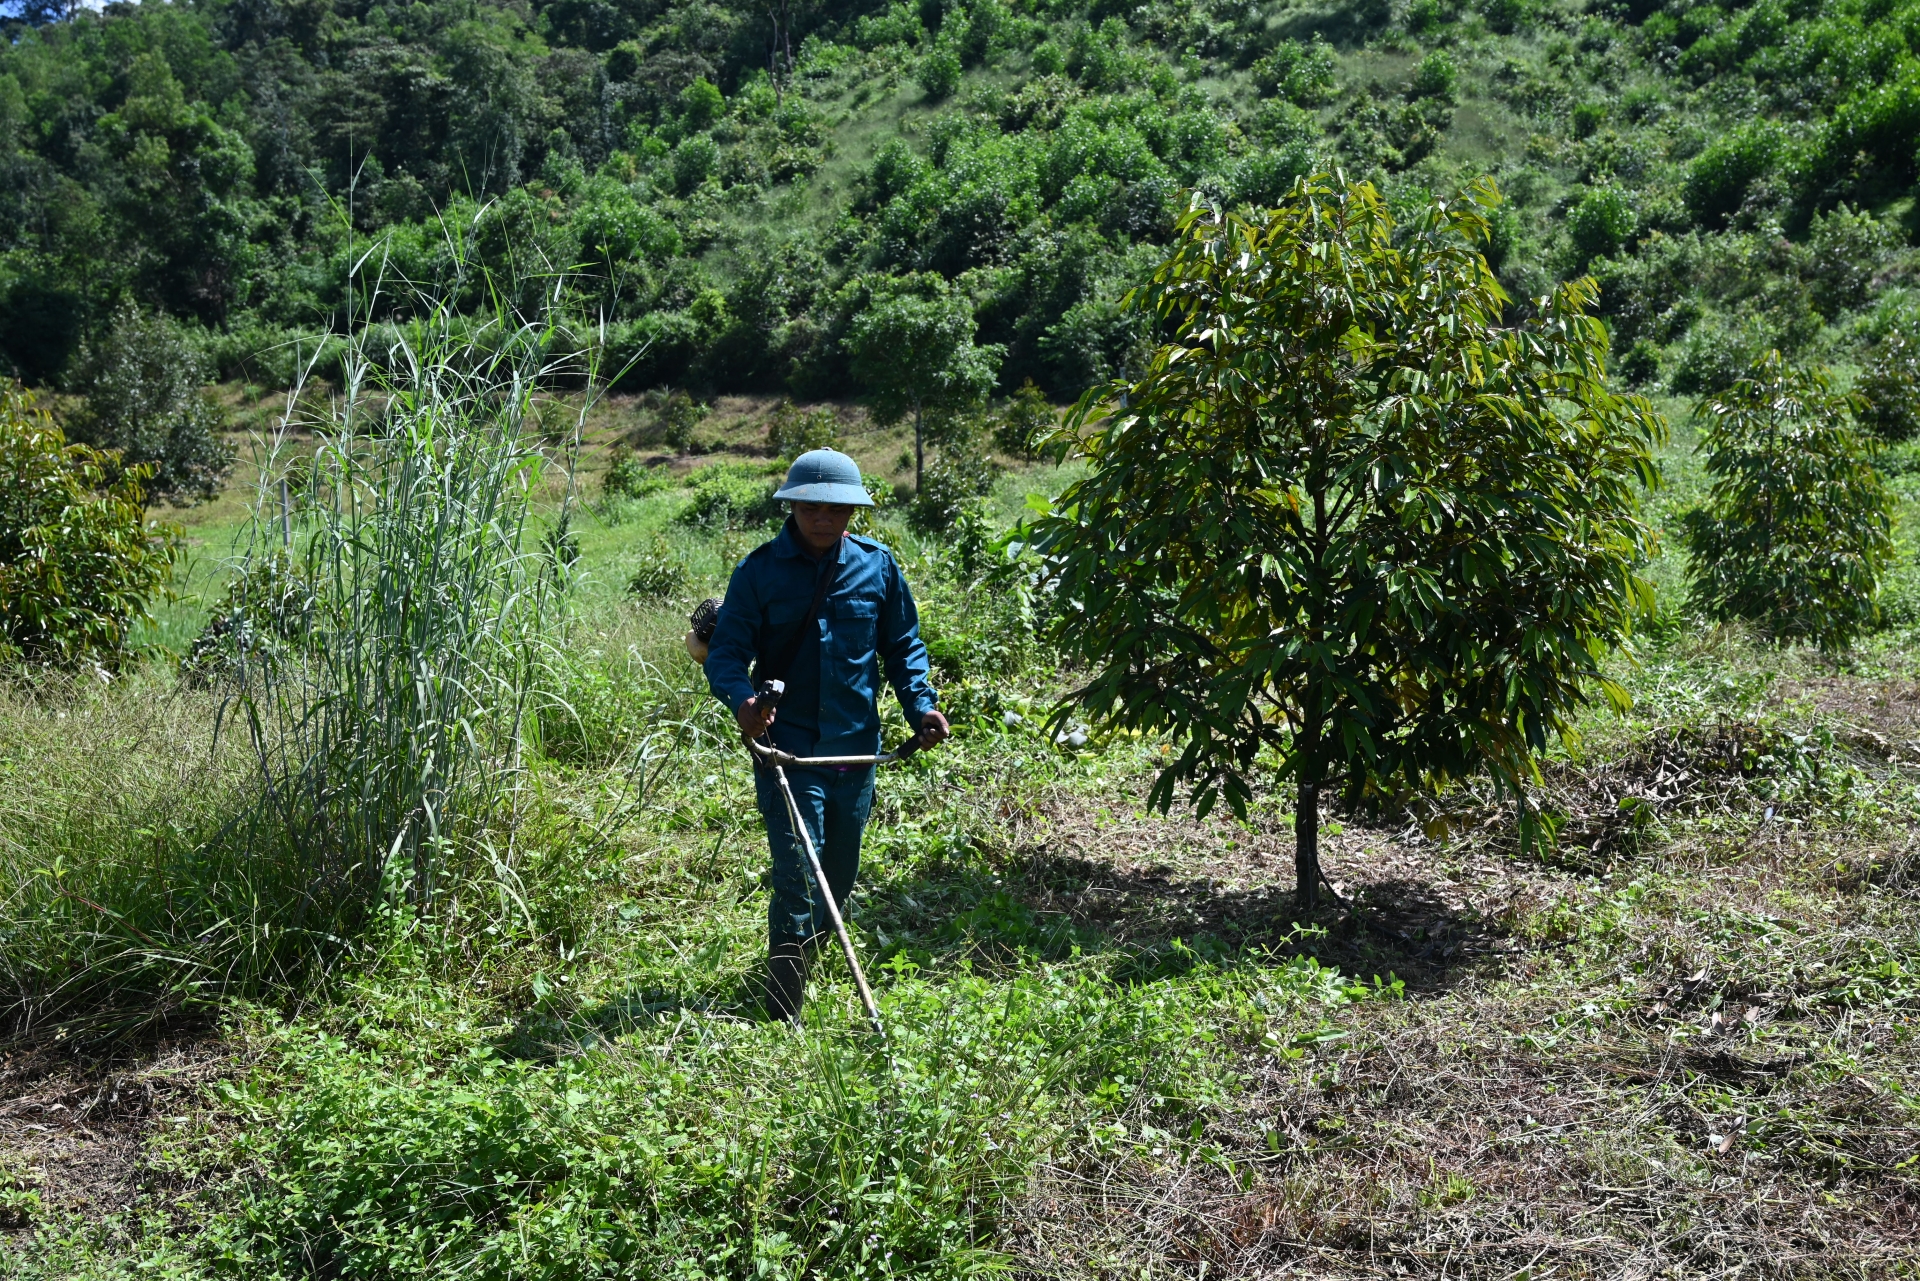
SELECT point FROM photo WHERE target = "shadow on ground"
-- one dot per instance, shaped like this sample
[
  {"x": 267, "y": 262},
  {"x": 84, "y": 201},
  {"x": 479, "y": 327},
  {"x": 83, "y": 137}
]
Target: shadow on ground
[{"x": 1424, "y": 930}]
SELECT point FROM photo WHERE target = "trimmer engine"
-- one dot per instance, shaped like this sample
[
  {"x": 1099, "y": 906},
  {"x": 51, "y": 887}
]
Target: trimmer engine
[{"x": 705, "y": 617}]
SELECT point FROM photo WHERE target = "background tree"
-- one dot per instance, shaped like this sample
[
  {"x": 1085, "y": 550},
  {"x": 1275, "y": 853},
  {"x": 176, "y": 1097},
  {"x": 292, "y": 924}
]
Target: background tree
[
  {"x": 146, "y": 397},
  {"x": 1351, "y": 527},
  {"x": 1024, "y": 422},
  {"x": 207, "y": 160},
  {"x": 1889, "y": 389},
  {"x": 914, "y": 351},
  {"x": 78, "y": 560},
  {"x": 1797, "y": 527}
]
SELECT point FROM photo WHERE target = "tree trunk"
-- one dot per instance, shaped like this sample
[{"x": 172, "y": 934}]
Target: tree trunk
[
  {"x": 1306, "y": 815},
  {"x": 773, "y": 59},
  {"x": 1306, "y": 844},
  {"x": 919, "y": 452}
]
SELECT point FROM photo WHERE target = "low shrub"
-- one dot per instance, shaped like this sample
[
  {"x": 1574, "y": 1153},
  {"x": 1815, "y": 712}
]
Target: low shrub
[
  {"x": 660, "y": 571},
  {"x": 694, "y": 161},
  {"x": 263, "y": 613},
  {"x": 768, "y": 1155},
  {"x": 1266, "y": 175},
  {"x": 1601, "y": 223},
  {"x": 1301, "y": 73},
  {"x": 1878, "y": 123},
  {"x": 961, "y": 473},
  {"x": 792, "y": 431},
  {"x": 730, "y": 496},
  {"x": 1434, "y": 77},
  {"x": 1844, "y": 251},
  {"x": 977, "y": 610},
  {"x": 79, "y": 561},
  {"x": 675, "y": 417},
  {"x": 1721, "y": 177},
  {"x": 1640, "y": 365},
  {"x": 627, "y": 477},
  {"x": 1023, "y": 424},
  {"x": 1507, "y": 16},
  {"x": 1712, "y": 357},
  {"x": 939, "y": 71},
  {"x": 1424, "y": 17}
]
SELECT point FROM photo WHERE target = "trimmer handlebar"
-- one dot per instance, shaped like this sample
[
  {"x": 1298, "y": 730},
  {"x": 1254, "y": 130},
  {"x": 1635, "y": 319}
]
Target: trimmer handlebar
[
  {"x": 768, "y": 696},
  {"x": 774, "y": 756}
]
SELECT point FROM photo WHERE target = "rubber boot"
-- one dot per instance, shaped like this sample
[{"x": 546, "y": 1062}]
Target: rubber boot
[{"x": 786, "y": 981}]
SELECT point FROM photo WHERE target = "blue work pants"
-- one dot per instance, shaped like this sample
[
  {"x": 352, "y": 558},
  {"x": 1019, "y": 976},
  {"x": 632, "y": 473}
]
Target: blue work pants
[{"x": 835, "y": 804}]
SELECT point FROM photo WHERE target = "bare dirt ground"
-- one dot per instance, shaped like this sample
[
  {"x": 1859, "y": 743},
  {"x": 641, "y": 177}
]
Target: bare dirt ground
[{"x": 74, "y": 1132}]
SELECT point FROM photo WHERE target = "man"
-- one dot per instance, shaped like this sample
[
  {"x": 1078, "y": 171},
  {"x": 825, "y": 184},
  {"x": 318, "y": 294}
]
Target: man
[{"x": 826, "y": 612}]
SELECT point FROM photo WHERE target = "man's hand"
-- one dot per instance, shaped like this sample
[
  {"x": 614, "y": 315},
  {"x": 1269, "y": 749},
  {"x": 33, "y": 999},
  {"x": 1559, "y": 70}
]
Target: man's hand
[
  {"x": 933, "y": 730},
  {"x": 753, "y": 720}
]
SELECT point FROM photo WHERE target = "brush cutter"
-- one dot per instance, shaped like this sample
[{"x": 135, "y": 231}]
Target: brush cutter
[{"x": 771, "y": 757}]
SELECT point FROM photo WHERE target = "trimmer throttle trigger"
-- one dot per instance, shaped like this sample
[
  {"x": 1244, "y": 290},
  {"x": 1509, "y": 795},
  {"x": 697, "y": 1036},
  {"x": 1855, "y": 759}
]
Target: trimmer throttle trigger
[{"x": 769, "y": 694}]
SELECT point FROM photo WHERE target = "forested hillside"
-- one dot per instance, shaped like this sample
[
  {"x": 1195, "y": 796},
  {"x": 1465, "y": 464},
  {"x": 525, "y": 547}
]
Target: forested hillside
[{"x": 727, "y": 186}]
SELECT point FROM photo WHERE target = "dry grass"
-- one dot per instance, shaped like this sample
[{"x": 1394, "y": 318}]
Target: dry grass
[
  {"x": 1651, "y": 1058},
  {"x": 76, "y": 1133}
]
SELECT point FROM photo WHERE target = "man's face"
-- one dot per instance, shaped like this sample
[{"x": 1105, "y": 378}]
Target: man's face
[{"x": 822, "y": 524}]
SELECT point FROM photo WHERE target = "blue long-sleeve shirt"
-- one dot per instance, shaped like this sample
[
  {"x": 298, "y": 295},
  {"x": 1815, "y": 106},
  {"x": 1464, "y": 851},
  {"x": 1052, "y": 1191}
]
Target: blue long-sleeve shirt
[{"x": 867, "y": 624}]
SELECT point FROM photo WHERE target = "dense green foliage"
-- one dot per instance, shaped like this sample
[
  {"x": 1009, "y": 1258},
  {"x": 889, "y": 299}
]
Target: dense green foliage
[
  {"x": 1349, "y": 516},
  {"x": 1797, "y": 528},
  {"x": 732, "y": 497},
  {"x": 766, "y": 1155},
  {"x": 1889, "y": 390},
  {"x": 792, "y": 432},
  {"x": 730, "y": 203},
  {"x": 79, "y": 562}
]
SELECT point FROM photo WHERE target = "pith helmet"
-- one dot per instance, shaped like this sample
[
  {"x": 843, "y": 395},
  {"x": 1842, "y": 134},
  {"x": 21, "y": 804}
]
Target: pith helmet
[{"x": 824, "y": 476}]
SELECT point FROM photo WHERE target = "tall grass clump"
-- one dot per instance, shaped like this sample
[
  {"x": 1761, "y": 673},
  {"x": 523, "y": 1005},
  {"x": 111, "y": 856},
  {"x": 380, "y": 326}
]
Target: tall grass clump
[
  {"x": 385, "y": 718},
  {"x": 350, "y": 723},
  {"x": 124, "y": 899}
]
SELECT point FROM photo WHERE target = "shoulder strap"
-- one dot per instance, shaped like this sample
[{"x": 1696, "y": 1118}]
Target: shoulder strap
[{"x": 775, "y": 667}]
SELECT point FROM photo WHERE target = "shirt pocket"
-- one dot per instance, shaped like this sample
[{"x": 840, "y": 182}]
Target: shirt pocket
[{"x": 855, "y": 626}]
